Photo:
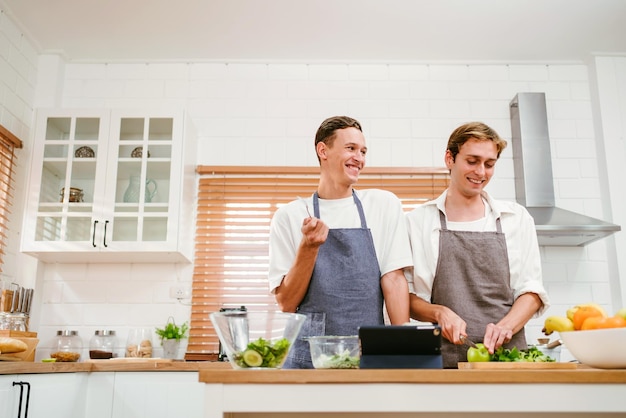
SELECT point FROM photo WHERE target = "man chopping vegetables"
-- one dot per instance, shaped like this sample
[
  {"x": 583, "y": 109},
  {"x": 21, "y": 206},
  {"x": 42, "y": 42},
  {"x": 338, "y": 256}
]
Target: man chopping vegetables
[
  {"x": 337, "y": 256},
  {"x": 477, "y": 269}
]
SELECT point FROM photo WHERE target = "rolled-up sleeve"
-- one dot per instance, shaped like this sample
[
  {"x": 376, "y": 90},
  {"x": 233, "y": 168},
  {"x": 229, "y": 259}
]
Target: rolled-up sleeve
[{"x": 524, "y": 255}]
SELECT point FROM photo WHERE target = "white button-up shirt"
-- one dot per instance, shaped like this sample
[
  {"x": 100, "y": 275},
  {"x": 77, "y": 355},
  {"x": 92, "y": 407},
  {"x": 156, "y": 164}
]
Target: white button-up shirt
[{"x": 521, "y": 241}]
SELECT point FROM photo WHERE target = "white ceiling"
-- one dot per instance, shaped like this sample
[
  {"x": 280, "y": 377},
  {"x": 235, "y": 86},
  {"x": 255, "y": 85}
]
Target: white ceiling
[{"x": 323, "y": 30}]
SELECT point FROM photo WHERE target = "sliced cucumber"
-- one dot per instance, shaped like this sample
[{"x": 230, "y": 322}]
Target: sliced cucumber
[{"x": 252, "y": 358}]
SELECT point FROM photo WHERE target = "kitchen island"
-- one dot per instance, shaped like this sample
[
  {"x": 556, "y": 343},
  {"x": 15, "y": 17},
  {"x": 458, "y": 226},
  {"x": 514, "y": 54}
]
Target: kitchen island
[{"x": 579, "y": 392}]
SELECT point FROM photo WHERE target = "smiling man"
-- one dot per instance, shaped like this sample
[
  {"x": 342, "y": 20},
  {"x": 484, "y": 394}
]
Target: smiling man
[
  {"x": 477, "y": 269},
  {"x": 341, "y": 264}
]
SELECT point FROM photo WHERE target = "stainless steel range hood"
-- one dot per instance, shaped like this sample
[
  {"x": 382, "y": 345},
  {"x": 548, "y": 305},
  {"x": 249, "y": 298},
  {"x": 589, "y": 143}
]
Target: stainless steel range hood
[{"x": 534, "y": 187}]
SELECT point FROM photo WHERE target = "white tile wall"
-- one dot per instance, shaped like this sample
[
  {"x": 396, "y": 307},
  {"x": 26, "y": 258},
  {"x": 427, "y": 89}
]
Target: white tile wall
[
  {"x": 269, "y": 113},
  {"x": 18, "y": 73},
  {"x": 266, "y": 114}
]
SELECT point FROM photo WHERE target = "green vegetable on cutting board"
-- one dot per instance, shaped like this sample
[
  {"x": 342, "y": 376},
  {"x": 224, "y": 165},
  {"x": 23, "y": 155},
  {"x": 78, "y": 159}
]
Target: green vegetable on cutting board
[
  {"x": 478, "y": 354},
  {"x": 532, "y": 354}
]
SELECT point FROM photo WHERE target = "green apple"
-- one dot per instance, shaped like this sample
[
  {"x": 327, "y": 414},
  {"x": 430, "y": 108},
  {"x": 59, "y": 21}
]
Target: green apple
[
  {"x": 478, "y": 353},
  {"x": 622, "y": 313}
]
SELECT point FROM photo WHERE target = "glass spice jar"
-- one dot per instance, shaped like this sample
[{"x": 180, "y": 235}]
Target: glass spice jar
[
  {"x": 5, "y": 322},
  {"x": 68, "y": 346},
  {"x": 102, "y": 344},
  {"x": 139, "y": 343},
  {"x": 17, "y": 321}
]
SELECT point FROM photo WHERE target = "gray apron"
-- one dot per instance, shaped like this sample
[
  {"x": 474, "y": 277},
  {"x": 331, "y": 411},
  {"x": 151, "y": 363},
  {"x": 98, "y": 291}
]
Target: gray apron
[
  {"x": 344, "y": 292},
  {"x": 473, "y": 279}
]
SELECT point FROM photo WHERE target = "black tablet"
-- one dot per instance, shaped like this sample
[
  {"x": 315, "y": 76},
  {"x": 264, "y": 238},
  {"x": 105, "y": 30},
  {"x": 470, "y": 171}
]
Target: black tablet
[{"x": 400, "y": 346}]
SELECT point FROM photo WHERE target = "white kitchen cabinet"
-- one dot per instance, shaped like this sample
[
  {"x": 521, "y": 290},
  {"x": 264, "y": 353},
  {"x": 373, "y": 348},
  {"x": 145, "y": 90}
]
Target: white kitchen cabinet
[
  {"x": 104, "y": 395},
  {"x": 158, "y": 395},
  {"x": 53, "y": 395},
  {"x": 99, "y": 399},
  {"x": 9, "y": 396},
  {"x": 134, "y": 174}
]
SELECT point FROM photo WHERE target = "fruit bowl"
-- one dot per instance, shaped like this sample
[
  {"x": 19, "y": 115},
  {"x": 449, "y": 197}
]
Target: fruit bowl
[
  {"x": 335, "y": 352},
  {"x": 601, "y": 348},
  {"x": 257, "y": 340}
]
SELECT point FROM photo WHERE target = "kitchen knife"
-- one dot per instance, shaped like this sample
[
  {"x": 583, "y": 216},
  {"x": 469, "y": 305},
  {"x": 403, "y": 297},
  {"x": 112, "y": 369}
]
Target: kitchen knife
[
  {"x": 29, "y": 299},
  {"x": 18, "y": 304},
  {"x": 467, "y": 341},
  {"x": 15, "y": 297},
  {"x": 23, "y": 300}
]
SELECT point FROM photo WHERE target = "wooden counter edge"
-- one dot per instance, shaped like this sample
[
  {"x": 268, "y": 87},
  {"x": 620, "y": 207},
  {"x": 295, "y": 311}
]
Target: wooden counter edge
[
  {"x": 586, "y": 375},
  {"x": 20, "y": 367}
]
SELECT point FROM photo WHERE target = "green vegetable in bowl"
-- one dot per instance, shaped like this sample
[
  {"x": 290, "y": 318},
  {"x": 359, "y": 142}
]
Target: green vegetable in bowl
[
  {"x": 252, "y": 358},
  {"x": 262, "y": 353},
  {"x": 337, "y": 361},
  {"x": 532, "y": 354}
]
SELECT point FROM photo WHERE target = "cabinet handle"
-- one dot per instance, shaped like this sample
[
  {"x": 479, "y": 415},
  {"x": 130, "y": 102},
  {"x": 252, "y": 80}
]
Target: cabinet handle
[
  {"x": 21, "y": 385},
  {"x": 93, "y": 237},
  {"x": 105, "y": 233}
]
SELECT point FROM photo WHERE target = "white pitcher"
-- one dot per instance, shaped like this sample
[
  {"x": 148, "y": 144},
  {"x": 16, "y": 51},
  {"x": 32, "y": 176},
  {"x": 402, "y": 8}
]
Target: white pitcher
[{"x": 131, "y": 195}]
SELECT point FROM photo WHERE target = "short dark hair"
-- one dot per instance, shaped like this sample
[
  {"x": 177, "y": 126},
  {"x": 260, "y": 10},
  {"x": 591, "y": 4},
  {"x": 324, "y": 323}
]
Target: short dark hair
[
  {"x": 474, "y": 130},
  {"x": 326, "y": 131}
]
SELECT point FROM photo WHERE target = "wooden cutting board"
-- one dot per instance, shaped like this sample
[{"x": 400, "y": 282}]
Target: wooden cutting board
[
  {"x": 521, "y": 365},
  {"x": 13, "y": 334},
  {"x": 9, "y": 357},
  {"x": 131, "y": 360}
]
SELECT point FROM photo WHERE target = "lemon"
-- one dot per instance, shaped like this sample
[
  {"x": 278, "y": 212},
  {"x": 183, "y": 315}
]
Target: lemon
[{"x": 252, "y": 358}]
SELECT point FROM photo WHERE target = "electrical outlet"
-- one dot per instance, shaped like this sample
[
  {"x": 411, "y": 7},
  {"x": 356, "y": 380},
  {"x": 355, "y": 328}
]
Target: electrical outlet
[{"x": 180, "y": 291}]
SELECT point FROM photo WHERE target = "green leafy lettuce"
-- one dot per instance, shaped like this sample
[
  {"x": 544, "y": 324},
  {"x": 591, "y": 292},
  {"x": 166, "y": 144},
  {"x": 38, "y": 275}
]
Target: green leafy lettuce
[
  {"x": 532, "y": 354},
  {"x": 273, "y": 353}
]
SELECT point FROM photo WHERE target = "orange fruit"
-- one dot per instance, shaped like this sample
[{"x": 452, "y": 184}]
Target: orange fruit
[
  {"x": 600, "y": 322},
  {"x": 615, "y": 322},
  {"x": 583, "y": 313},
  {"x": 594, "y": 322}
]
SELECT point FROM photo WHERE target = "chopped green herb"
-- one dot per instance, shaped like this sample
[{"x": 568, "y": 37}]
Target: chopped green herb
[
  {"x": 532, "y": 354},
  {"x": 337, "y": 361}
]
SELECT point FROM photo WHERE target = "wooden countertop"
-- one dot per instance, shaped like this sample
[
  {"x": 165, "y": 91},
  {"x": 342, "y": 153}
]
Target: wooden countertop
[
  {"x": 222, "y": 372},
  {"x": 115, "y": 365},
  {"x": 355, "y": 376}
]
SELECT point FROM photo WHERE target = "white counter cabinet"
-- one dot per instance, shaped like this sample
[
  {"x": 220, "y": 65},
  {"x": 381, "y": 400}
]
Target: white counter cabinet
[
  {"x": 145, "y": 395},
  {"x": 104, "y": 395},
  {"x": 9, "y": 396},
  {"x": 140, "y": 395},
  {"x": 132, "y": 178},
  {"x": 51, "y": 395}
]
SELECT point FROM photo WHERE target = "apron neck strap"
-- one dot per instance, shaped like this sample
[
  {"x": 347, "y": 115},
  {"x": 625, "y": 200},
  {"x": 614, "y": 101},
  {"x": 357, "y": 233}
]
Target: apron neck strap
[
  {"x": 442, "y": 219},
  {"x": 444, "y": 225}
]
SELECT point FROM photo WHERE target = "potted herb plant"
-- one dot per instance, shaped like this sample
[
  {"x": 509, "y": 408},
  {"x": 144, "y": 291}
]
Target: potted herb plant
[{"x": 170, "y": 336}]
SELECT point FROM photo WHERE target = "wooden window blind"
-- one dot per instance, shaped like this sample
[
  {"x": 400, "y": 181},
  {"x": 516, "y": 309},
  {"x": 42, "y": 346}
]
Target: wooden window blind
[
  {"x": 8, "y": 144},
  {"x": 235, "y": 206}
]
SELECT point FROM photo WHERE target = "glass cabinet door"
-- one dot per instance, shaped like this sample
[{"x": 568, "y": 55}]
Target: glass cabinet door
[
  {"x": 142, "y": 187},
  {"x": 72, "y": 153},
  {"x": 109, "y": 184}
]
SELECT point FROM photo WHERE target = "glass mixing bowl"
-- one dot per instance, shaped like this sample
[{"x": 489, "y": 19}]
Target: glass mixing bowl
[{"x": 257, "y": 340}]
